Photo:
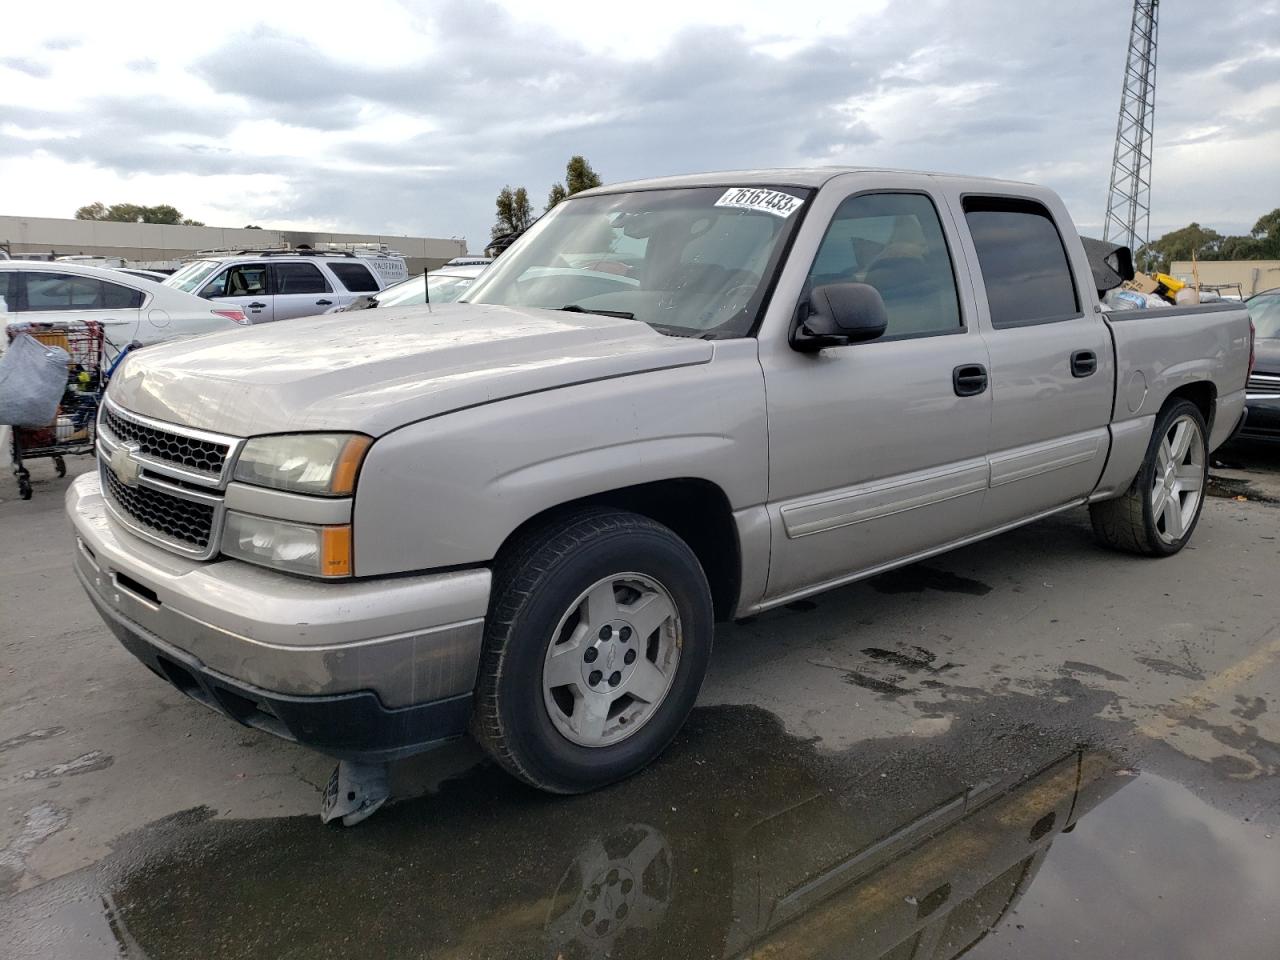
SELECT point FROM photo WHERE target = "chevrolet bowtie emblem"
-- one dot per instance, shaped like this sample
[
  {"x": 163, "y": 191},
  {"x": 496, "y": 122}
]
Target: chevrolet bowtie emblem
[{"x": 124, "y": 466}]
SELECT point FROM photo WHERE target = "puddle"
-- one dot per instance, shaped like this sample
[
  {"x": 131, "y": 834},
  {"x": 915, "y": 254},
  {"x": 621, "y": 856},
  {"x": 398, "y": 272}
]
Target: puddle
[{"x": 1005, "y": 840}]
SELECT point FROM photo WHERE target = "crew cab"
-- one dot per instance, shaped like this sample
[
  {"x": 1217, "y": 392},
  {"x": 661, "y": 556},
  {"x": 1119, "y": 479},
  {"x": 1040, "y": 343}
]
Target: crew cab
[
  {"x": 670, "y": 402},
  {"x": 281, "y": 284}
]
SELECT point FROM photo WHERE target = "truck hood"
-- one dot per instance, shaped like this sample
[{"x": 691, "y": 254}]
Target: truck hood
[{"x": 377, "y": 370}]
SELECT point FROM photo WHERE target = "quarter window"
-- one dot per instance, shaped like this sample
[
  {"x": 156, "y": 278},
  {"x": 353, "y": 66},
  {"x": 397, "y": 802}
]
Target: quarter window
[
  {"x": 299, "y": 278},
  {"x": 893, "y": 242},
  {"x": 1023, "y": 262},
  {"x": 355, "y": 277}
]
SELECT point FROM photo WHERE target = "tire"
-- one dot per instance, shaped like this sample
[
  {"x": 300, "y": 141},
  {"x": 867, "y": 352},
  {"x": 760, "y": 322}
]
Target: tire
[
  {"x": 544, "y": 718},
  {"x": 1142, "y": 520}
]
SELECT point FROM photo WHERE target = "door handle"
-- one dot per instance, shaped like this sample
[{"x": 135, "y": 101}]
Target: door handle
[
  {"x": 324, "y": 303},
  {"x": 969, "y": 379},
  {"x": 1083, "y": 363},
  {"x": 256, "y": 306}
]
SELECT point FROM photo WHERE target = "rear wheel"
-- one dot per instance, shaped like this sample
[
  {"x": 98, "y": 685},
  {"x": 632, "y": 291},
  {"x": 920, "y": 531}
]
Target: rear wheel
[
  {"x": 598, "y": 637},
  {"x": 1158, "y": 513}
]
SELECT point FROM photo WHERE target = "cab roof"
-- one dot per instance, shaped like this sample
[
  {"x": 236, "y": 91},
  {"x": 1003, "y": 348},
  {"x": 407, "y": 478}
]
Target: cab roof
[{"x": 805, "y": 177}]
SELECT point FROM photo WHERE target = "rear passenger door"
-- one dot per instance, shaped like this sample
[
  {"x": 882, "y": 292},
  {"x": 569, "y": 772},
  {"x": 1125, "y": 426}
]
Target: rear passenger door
[
  {"x": 355, "y": 277},
  {"x": 55, "y": 296},
  {"x": 1052, "y": 371},
  {"x": 301, "y": 290}
]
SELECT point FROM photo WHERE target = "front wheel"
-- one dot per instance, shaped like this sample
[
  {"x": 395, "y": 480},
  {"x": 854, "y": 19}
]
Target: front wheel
[
  {"x": 1158, "y": 513},
  {"x": 597, "y": 641}
]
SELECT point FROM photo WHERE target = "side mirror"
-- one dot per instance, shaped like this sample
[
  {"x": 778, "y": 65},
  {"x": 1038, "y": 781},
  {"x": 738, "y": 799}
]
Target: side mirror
[{"x": 838, "y": 314}]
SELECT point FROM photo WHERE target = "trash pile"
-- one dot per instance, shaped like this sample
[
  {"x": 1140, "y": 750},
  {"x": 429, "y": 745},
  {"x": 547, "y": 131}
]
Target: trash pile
[{"x": 1146, "y": 291}]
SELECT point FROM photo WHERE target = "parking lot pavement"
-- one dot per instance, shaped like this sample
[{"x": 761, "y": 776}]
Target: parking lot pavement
[{"x": 1029, "y": 747}]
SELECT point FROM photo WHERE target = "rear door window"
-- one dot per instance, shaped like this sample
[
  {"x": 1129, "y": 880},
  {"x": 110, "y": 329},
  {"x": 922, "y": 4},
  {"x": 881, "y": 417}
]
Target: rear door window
[
  {"x": 355, "y": 277},
  {"x": 299, "y": 278},
  {"x": 57, "y": 292},
  {"x": 1023, "y": 262}
]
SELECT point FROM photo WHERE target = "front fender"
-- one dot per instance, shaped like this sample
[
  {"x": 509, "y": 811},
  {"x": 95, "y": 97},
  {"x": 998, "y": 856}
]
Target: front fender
[{"x": 449, "y": 490}]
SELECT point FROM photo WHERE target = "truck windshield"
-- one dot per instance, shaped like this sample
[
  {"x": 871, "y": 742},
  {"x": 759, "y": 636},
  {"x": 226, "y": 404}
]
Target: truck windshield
[{"x": 690, "y": 262}]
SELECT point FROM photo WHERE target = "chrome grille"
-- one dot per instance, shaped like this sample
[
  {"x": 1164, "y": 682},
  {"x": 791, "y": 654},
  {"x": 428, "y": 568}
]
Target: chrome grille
[
  {"x": 1264, "y": 383},
  {"x": 204, "y": 456},
  {"x": 173, "y": 518}
]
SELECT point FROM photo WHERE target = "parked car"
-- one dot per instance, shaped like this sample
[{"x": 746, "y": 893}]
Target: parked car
[
  {"x": 669, "y": 402},
  {"x": 1263, "y": 397},
  {"x": 281, "y": 284},
  {"x": 129, "y": 308},
  {"x": 444, "y": 286}
]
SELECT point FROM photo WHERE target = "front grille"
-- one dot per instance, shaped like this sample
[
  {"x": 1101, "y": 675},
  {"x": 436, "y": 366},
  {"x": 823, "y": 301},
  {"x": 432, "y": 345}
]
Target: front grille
[
  {"x": 202, "y": 455},
  {"x": 173, "y": 518},
  {"x": 1264, "y": 383}
]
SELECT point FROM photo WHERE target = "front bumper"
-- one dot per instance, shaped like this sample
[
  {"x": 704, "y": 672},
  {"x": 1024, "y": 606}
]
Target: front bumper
[{"x": 358, "y": 669}]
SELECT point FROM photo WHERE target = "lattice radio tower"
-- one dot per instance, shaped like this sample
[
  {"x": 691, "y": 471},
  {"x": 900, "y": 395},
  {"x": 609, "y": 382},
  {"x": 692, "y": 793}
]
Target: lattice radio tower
[{"x": 1129, "y": 198}]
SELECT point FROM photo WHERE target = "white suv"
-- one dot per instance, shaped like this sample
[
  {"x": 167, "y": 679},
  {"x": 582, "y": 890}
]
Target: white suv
[{"x": 279, "y": 285}]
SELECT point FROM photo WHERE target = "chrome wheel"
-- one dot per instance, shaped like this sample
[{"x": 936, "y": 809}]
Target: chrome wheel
[
  {"x": 612, "y": 659},
  {"x": 1178, "y": 479}
]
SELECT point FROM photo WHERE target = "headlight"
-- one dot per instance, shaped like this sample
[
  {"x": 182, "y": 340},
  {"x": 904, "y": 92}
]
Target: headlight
[
  {"x": 293, "y": 547},
  {"x": 322, "y": 464}
]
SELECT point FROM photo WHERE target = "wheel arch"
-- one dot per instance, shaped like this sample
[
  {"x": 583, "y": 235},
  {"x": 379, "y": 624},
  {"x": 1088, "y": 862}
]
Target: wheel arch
[
  {"x": 696, "y": 510},
  {"x": 1203, "y": 394}
]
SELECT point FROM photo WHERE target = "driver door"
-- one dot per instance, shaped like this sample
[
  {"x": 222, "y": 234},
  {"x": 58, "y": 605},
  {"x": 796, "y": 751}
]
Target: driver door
[{"x": 877, "y": 450}]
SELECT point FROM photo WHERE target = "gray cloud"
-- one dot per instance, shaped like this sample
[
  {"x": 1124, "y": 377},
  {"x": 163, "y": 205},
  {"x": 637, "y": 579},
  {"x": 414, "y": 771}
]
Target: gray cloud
[
  {"x": 32, "y": 68},
  {"x": 1023, "y": 94}
]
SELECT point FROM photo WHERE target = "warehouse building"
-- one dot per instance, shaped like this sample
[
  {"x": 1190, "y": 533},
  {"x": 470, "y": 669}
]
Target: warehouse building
[
  {"x": 147, "y": 243},
  {"x": 1253, "y": 276}
]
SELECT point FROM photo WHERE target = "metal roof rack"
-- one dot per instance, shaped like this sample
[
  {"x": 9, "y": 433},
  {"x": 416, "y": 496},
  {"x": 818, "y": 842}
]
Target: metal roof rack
[{"x": 273, "y": 252}]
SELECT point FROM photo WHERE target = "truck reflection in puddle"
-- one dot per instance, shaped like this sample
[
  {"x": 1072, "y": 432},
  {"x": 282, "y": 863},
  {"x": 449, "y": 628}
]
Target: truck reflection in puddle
[{"x": 743, "y": 841}]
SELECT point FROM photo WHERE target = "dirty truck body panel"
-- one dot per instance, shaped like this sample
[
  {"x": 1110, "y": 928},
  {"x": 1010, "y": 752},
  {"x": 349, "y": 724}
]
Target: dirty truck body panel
[{"x": 980, "y": 407}]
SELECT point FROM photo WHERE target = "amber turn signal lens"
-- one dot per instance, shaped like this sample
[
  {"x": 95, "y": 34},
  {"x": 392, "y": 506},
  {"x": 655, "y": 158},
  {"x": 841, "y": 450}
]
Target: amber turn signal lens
[
  {"x": 348, "y": 464},
  {"x": 335, "y": 551}
]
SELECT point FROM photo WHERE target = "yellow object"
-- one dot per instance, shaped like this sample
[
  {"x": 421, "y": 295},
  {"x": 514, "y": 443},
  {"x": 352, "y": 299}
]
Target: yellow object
[
  {"x": 1172, "y": 284},
  {"x": 335, "y": 551}
]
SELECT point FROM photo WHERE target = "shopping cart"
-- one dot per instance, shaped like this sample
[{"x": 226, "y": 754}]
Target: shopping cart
[{"x": 73, "y": 431}]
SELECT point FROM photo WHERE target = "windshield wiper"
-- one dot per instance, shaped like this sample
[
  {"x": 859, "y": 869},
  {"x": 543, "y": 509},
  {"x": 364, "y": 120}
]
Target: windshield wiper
[{"x": 578, "y": 308}]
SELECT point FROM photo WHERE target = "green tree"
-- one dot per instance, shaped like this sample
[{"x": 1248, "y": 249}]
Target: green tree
[
  {"x": 1267, "y": 234},
  {"x": 558, "y": 193},
  {"x": 251, "y": 226},
  {"x": 133, "y": 213},
  {"x": 1179, "y": 245},
  {"x": 515, "y": 213},
  {"x": 578, "y": 176}
]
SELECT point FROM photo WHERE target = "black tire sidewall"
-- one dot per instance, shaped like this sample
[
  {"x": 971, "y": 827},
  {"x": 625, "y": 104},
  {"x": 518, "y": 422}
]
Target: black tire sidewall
[
  {"x": 1146, "y": 476},
  {"x": 552, "y": 760}
]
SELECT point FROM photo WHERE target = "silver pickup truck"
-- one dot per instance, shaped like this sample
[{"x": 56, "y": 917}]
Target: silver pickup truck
[{"x": 671, "y": 402}]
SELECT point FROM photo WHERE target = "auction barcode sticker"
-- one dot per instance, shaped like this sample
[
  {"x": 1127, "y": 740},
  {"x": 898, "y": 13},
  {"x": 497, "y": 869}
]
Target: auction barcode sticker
[{"x": 757, "y": 198}]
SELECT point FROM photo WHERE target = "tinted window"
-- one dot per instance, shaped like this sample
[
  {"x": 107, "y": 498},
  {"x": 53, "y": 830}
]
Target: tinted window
[
  {"x": 894, "y": 242},
  {"x": 299, "y": 278},
  {"x": 1023, "y": 262},
  {"x": 47, "y": 292},
  {"x": 355, "y": 277}
]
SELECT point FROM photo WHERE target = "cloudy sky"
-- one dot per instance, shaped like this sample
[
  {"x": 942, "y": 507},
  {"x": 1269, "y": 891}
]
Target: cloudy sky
[{"x": 407, "y": 117}]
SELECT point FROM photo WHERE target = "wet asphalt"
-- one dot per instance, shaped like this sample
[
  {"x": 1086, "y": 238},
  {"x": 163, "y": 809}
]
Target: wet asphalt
[{"x": 1027, "y": 748}]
